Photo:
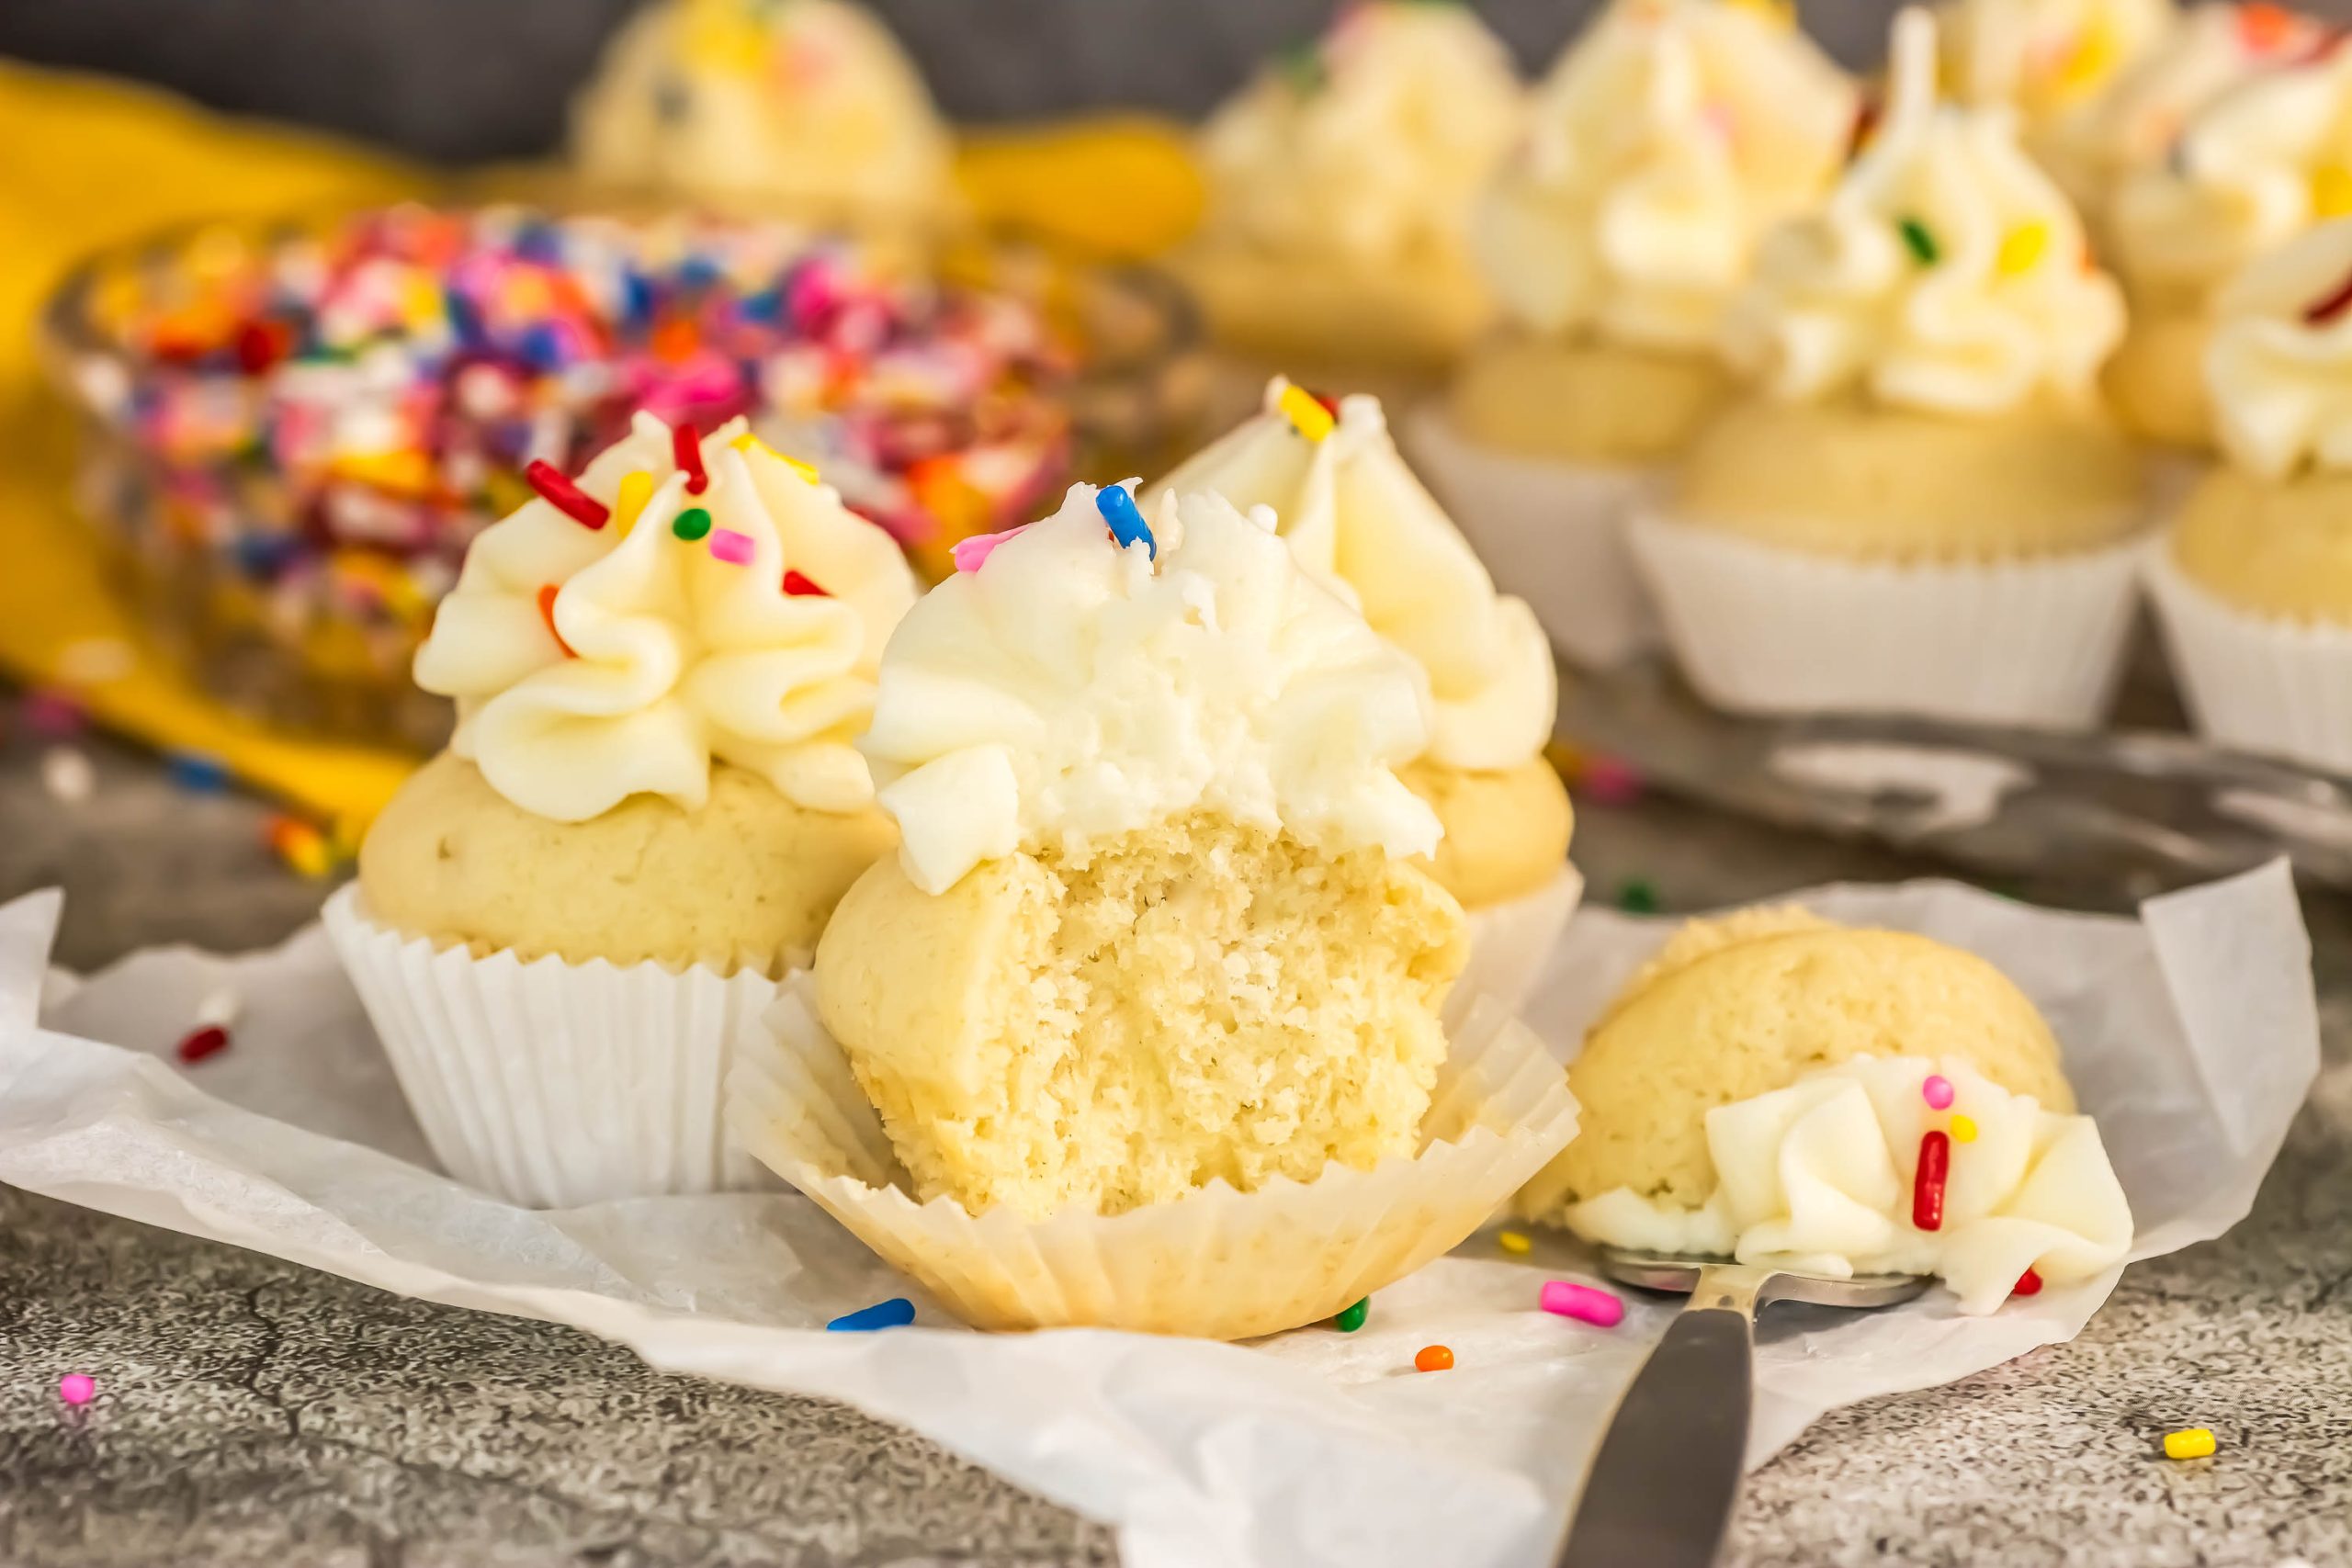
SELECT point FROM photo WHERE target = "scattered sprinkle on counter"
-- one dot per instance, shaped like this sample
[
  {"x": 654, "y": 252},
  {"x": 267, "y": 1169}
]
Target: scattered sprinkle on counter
[
  {"x": 1637, "y": 898},
  {"x": 80, "y": 1388},
  {"x": 2190, "y": 1442},
  {"x": 1514, "y": 1242},
  {"x": 896, "y": 1313},
  {"x": 1586, "y": 1304},
  {"x": 198, "y": 772},
  {"x": 1351, "y": 1317},
  {"x": 1436, "y": 1359}
]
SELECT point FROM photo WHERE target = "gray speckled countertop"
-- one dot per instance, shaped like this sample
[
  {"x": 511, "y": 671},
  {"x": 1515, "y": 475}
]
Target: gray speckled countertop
[{"x": 255, "y": 1414}]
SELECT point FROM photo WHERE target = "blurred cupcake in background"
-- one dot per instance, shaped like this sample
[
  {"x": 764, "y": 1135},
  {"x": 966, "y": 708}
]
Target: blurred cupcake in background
[
  {"x": 1662, "y": 145},
  {"x": 801, "y": 106},
  {"x": 2263, "y": 158},
  {"x": 1922, "y": 507},
  {"x": 2058, "y": 63},
  {"x": 2253, "y": 585},
  {"x": 1341, "y": 181},
  {"x": 1361, "y": 525}
]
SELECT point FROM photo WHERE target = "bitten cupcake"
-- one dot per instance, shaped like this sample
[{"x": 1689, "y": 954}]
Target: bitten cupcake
[
  {"x": 1922, "y": 509},
  {"x": 802, "y": 106},
  {"x": 1141, "y": 1027},
  {"x": 1339, "y": 181},
  {"x": 1662, "y": 144},
  {"x": 1361, "y": 525},
  {"x": 1782, "y": 1090},
  {"x": 2252, "y": 167},
  {"x": 2253, "y": 583},
  {"x": 564, "y": 925}
]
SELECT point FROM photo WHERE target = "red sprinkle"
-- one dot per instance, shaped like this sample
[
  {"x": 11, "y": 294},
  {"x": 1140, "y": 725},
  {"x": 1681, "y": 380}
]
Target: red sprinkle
[
  {"x": 2329, "y": 306},
  {"x": 199, "y": 1043},
  {"x": 800, "y": 587},
  {"x": 2029, "y": 1284},
  {"x": 1928, "y": 1187},
  {"x": 548, "y": 592},
  {"x": 564, "y": 496},
  {"x": 686, "y": 447},
  {"x": 1327, "y": 402}
]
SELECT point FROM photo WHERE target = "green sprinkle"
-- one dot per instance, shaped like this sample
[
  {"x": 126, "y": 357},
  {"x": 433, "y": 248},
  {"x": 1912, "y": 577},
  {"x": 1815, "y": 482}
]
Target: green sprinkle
[
  {"x": 1351, "y": 1319},
  {"x": 1922, "y": 244},
  {"x": 691, "y": 524},
  {"x": 1637, "y": 898},
  {"x": 1302, "y": 63}
]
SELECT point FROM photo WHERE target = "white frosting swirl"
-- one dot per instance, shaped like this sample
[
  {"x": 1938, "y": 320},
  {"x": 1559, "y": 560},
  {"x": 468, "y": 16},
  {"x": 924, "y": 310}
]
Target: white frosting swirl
[
  {"x": 670, "y": 657},
  {"x": 1818, "y": 1176},
  {"x": 1662, "y": 144},
  {"x": 1364, "y": 525},
  {"x": 1373, "y": 145},
  {"x": 2258, "y": 164},
  {"x": 2056, "y": 62},
  {"x": 2282, "y": 381},
  {"x": 797, "y": 102},
  {"x": 1073, "y": 689},
  {"x": 1945, "y": 271}
]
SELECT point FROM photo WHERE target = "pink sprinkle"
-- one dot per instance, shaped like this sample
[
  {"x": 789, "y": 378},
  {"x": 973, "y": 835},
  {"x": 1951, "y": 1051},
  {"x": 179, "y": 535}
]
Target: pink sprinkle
[
  {"x": 1586, "y": 1304},
  {"x": 1938, "y": 1092},
  {"x": 731, "y": 547},
  {"x": 972, "y": 553},
  {"x": 54, "y": 713},
  {"x": 77, "y": 1388},
  {"x": 1612, "y": 782}
]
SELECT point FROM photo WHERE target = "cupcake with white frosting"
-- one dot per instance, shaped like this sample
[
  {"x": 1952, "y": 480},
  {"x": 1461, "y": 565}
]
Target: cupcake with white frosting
[
  {"x": 1361, "y": 524},
  {"x": 2060, "y": 64},
  {"x": 1781, "y": 1091},
  {"x": 1144, "y": 1025},
  {"x": 1340, "y": 185},
  {"x": 564, "y": 925},
  {"x": 1921, "y": 507},
  {"x": 806, "y": 106},
  {"x": 2254, "y": 582},
  {"x": 1661, "y": 146}
]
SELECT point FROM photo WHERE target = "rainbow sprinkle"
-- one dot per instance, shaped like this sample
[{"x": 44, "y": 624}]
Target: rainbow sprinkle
[
  {"x": 1309, "y": 416},
  {"x": 1119, "y": 509},
  {"x": 734, "y": 548}
]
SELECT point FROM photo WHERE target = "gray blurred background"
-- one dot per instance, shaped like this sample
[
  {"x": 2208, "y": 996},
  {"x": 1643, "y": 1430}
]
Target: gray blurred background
[{"x": 461, "y": 80}]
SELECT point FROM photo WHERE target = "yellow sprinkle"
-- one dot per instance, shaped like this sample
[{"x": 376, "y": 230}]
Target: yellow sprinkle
[
  {"x": 1310, "y": 418},
  {"x": 1963, "y": 1128},
  {"x": 2192, "y": 1442},
  {"x": 2330, "y": 191},
  {"x": 1778, "y": 12},
  {"x": 747, "y": 442},
  {"x": 2022, "y": 246},
  {"x": 637, "y": 488},
  {"x": 1514, "y": 1242}
]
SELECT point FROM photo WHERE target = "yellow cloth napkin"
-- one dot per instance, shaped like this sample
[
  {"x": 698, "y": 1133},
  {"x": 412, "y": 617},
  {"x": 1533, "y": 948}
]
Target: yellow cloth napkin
[{"x": 115, "y": 162}]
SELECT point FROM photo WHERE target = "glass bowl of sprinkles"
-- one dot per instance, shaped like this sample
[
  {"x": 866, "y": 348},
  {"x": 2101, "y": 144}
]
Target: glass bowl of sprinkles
[{"x": 293, "y": 429}]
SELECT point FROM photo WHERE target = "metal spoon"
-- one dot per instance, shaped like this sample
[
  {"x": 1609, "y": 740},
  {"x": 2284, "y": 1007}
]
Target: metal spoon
[{"x": 1661, "y": 1490}]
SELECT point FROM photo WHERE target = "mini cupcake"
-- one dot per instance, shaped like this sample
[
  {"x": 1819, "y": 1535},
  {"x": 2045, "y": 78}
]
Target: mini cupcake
[
  {"x": 1923, "y": 508},
  {"x": 801, "y": 106},
  {"x": 1339, "y": 182},
  {"x": 1141, "y": 1027},
  {"x": 2253, "y": 585},
  {"x": 1781, "y": 1091},
  {"x": 564, "y": 925},
  {"x": 2262, "y": 157},
  {"x": 2061, "y": 65},
  {"x": 1361, "y": 525},
  {"x": 1663, "y": 143}
]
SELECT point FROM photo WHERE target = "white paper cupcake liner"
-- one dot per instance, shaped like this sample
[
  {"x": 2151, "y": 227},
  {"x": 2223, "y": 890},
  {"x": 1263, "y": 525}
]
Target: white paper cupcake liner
[
  {"x": 2278, "y": 687},
  {"x": 1761, "y": 629},
  {"x": 1551, "y": 532},
  {"x": 555, "y": 1084},
  {"x": 1217, "y": 1264},
  {"x": 1508, "y": 944}
]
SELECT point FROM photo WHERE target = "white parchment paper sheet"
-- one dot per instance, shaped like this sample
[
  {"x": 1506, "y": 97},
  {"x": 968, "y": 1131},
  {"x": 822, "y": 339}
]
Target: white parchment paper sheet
[{"x": 2190, "y": 1032}]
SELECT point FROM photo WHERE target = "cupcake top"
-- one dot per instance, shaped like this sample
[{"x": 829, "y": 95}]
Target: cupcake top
[
  {"x": 2057, "y": 63},
  {"x": 801, "y": 102},
  {"x": 2279, "y": 363},
  {"x": 1945, "y": 274},
  {"x": 1361, "y": 524},
  {"x": 2254, "y": 166},
  {"x": 1369, "y": 144},
  {"x": 1090, "y": 676},
  {"x": 1665, "y": 140},
  {"x": 686, "y": 602}
]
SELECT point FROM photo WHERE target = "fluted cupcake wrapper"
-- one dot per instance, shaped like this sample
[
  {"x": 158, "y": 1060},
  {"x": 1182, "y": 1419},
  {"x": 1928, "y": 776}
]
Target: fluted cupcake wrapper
[
  {"x": 1757, "y": 628},
  {"x": 555, "y": 1084},
  {"x": 1551, "y": 531},
  {"x": 1217, "y": 1263},
  {"x": 1508, "y": 943},
  {"x": 2280, "y": 687}
]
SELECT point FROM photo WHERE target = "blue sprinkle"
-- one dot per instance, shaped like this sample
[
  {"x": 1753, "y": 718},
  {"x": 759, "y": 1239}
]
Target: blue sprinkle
[
  {"x": 199, "y": 773},
  {"x": 540, "y": 243},
  {"x": 697, "y": 272},
  {"x": 464, "y": 319},
  {"x": 1118, "y": 509},
  {"x": 896, "y": 1313}
]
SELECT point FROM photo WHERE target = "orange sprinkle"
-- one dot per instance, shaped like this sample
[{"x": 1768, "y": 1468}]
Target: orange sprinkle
[
  {"x": 548, "y": 592},
  {"x": 675, "y": 340},
  {"x": 1433, "y": 1359},
  {"x": 2262, "y": 26}
]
